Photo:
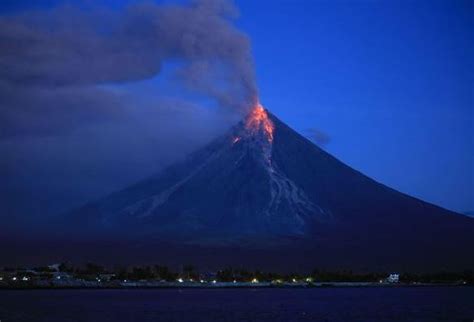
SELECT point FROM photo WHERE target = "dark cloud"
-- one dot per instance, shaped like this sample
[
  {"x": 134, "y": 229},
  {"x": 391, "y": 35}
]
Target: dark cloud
[
  {"x": 64, "y": 47},
  {"x": 85, "y": 100},
  {"x": 52, "y": 62},
  {"x": 317, "y": 136},
  {"x": 39, "y": 111}
]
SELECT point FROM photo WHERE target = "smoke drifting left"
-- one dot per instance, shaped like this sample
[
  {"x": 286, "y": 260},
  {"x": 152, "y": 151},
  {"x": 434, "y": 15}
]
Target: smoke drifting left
[
  {"x": 63, "y": 54},
  {"x": 85, "y": 106}
]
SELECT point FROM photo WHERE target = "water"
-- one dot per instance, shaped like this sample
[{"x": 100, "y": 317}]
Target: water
[{"x": 324, "y": 304}]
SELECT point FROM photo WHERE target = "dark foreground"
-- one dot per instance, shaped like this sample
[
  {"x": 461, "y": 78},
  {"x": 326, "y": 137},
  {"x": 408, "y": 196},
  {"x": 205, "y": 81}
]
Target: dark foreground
[{"x": 321, "y": 304}]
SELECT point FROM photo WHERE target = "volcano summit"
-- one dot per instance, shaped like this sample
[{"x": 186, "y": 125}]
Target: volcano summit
[{"x": 263, "y": 188}]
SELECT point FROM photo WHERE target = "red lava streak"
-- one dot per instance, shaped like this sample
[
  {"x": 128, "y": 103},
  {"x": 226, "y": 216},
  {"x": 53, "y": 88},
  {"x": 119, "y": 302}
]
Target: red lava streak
[{"x": 258, "y": 120}]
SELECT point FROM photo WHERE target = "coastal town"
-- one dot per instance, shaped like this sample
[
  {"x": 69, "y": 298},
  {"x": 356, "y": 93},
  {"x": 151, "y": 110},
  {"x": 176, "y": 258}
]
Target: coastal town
[{"x": 95, "y": 276}]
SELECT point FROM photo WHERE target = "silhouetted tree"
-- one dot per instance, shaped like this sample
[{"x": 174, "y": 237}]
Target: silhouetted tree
[
  {"x": 94, "y": 269},
  {"x": 164, "y": 273}
]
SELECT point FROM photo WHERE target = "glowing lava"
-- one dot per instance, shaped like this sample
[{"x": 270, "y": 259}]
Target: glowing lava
[
  {"x": 258, "y": 120},
  {"x": 257, "y": 125}
]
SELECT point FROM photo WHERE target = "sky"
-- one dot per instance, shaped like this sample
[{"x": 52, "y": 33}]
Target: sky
[
  {"x": 391, "y": 83},
  {"x": 385, "y": 86}
]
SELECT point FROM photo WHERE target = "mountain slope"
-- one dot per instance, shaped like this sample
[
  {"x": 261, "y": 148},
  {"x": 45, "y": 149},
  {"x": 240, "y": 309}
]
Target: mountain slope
[{"x": 263, "y": 185}]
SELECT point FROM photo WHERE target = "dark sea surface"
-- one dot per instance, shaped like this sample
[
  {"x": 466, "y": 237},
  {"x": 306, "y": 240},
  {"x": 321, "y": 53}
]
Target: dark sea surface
[{"x": 315, "y": 304}]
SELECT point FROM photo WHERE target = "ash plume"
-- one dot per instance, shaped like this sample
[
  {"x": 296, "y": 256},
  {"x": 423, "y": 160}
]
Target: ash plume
[
  {"x": 83, "y": 87},
  {"x": 50, "y": 58}
]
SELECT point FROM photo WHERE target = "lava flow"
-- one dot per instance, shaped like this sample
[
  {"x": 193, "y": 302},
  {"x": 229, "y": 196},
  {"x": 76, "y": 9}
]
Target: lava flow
[{"x": 258, "y": 120}]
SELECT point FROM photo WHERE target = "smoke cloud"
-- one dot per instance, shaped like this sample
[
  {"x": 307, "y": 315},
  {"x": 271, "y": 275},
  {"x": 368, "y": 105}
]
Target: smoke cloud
[
  {"x": 92, "y": 99},
  {"x": 53, "y": 63},
  {"x": 317, "y": 136}
]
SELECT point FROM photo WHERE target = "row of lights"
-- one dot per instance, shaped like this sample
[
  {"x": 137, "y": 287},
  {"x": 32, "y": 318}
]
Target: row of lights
[
  {"x": 14, "y": 278},
  {"x": 253, "y": 281},
  {"x": 180, "y": 280}
]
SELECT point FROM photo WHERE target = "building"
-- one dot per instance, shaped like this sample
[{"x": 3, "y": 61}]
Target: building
[{"x": 393, "y": 278}]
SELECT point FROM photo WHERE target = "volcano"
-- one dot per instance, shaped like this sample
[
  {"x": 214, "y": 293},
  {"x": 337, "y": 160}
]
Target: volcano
[{"x": 262, "y": 193}]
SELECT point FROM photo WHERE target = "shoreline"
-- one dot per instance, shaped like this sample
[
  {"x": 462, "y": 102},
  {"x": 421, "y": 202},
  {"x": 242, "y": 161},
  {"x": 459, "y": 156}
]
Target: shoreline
[{"x": 225, "y": 285}]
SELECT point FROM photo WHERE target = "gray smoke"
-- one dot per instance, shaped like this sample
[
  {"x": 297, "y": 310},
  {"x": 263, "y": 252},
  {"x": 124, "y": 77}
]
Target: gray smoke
[
  {"x": 53, "y": 63},
  {"x": 89, "y": 103},
  {"x": 317, "y": 136}
]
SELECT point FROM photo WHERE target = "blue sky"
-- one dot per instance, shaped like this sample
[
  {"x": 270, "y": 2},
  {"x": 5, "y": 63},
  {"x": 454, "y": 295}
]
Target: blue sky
[{"x": 390, "y": 82}]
